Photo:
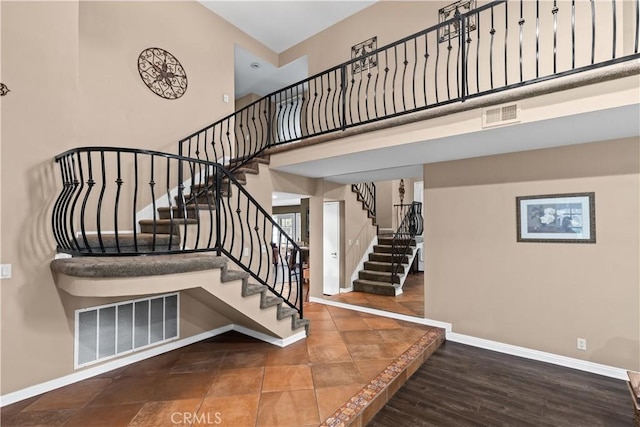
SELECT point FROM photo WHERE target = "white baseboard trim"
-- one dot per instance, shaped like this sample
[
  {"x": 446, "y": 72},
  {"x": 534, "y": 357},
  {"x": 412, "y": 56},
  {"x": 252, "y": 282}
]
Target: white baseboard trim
[
  {"x": 526, "y": 353},
  {"x": 84, "y": 374},
  {"x": 280, "y": 342},
  {"x": 346, "y": 290},
  {"x": 541, "y": 356},
  {"x": 381, "y": 313}
]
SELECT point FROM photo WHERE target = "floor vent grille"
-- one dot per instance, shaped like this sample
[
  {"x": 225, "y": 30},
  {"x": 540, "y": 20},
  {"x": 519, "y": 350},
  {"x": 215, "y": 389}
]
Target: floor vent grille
[{"x": 111, "y": 330}]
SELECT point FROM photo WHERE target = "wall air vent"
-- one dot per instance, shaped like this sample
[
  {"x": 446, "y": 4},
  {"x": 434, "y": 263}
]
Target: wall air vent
[
  {"x": 112, "y": 330},
  {"x": 500, "y": 115}
]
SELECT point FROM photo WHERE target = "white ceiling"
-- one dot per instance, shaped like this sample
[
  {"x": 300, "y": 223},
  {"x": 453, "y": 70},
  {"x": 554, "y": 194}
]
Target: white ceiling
[{"x": 280, "y": 25}]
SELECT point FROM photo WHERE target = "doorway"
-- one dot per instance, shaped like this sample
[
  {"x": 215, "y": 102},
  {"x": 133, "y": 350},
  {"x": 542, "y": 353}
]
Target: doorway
[{"x": 331, "y": 248}]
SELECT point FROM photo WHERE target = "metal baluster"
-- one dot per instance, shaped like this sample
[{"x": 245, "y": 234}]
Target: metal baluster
[
  {"x": 359, "y": 90},
  {"x": 168, "y": 189},
  {"x": 366, "y": 95},
  {"x": 404, "y": 74},
  {"x": 436, "y": 69},
  {"x": 393, "y": 82},
  {"x": 573, "y": 34},
  {"x": 554, "y": 11},
  {"x": 593, "y": 31},
  {"x": 615, "y": 27},
  {"x": 100, "y": 199},
  {"x": 353, "y": 81},
  {"x": 375, "y": 89},
  {"x": 537, "y": 38},
  {"x": 415, "y": 66},
  {"x": 153, "y": 202},
  {"x": 343, "y": 98},
  {"x": 492, "y": 32},
  {"x": 424, "y": 70},
  {"x": 135, "y": 202},
  {"x": 449, "y": 48},
  {"x": 384, "y": 87},
  {"x": 506, "y": 38},
  {"x": 117, "y": 204},
  {"x": 76, "y": 182},
  {"x": 521, "y": 24},
  {"x": 637, "y": 25}
]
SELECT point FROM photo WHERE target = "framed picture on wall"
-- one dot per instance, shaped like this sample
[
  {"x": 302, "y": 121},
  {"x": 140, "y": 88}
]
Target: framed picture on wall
[{"x": 557, "y": 218}]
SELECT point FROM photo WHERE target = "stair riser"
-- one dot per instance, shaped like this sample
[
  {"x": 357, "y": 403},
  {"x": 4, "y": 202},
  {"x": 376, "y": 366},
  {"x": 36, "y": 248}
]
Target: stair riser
[
  {"x": 177, "y": 213},
  {"x": 160, "y": 229},
  {"x": 387, "y": 267},
  {"x": 388, "y": 258},
  {"x": 366, "y": 275},
  {"x": 370, "y": 289}
]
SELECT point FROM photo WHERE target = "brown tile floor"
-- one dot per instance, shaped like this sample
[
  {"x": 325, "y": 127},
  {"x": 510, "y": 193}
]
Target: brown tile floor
[
  {"x": 234, "y": 380},
  {"x": 410, "y": 302}
]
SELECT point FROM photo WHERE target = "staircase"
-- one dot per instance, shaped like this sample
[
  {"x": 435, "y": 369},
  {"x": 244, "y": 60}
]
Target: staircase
[
  {"x": 378, "y": 275},
  {"x": 200, "y": 215},
  {"x": 226, "y": 291}
]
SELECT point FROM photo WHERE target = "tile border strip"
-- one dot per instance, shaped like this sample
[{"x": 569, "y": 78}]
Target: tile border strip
[{"x": 376, "y": 393}]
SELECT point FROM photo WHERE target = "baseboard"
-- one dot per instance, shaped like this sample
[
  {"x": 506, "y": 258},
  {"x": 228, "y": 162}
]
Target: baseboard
[
  {"x": 280, "y": 342},
  {"x": 526, "y": 353},
  {"x": 84, "y": 374},
  {"x": 346, "y": 290},
  {"x": 541, "y": 356},
  {"x": 381, "y": 313}
]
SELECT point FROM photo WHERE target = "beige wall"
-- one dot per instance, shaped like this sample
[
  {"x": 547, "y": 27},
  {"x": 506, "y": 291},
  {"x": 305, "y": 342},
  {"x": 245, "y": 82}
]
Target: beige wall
[
  {"x": 537, "y": 295},
  {"x": 71, "y": 68}
]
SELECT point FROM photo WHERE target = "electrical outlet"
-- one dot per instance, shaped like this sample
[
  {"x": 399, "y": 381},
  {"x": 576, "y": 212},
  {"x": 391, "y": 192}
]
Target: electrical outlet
[
  {"x": 225, "y": 98},
  {"x": 582, "y": 344},
  {"x": 263, "y": 249},
  {"x": 349, "y": 242},
  {"x": 245, "y": 252},
  {"x": 5, "y": 271}
]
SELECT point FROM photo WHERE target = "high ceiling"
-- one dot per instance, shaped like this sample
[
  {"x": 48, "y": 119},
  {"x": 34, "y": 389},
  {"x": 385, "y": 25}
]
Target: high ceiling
[{"x": 280, "y": 25}]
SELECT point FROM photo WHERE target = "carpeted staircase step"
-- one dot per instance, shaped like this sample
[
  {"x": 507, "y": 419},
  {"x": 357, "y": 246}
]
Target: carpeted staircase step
[
  {"x": 382, "y": 266},
  {"x": 165, "y": 226},
  {"x": 378, "y": 276},
  {"x": 388, "y": 241},
  {"x": 127, "y": 242},
  {"x": 374, "y": 287},
  {"x": 388, "y": 249},
  {"x": 137, "y": 266},
  {"x": 388, "y": 258}
]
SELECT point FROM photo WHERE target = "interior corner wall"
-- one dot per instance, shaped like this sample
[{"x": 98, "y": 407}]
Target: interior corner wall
[
  {"x": 71, "y": 68},
  {"x": 387, "y": 20},
  {"x": 537, "y": 295}
]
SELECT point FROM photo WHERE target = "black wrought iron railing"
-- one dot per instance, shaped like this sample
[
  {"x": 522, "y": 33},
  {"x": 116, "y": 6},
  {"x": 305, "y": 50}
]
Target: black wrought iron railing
[
  {"x": 366, "y": 192},
  {"x": 122, "y": 201},
  {"x": 497, "y": 46},
  {"x": 412, "y": 225}
]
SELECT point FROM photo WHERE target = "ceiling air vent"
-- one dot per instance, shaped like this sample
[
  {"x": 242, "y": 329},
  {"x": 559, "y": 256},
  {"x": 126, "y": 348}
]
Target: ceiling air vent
[{"x": 501, "y": 115}]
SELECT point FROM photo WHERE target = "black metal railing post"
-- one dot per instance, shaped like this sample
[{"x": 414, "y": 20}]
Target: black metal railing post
[
  {"x": 218, "y": 203},
  {"x": 463, "y": 58}
]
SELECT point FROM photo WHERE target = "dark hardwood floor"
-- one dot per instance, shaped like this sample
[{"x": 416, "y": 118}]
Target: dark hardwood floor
[{"x": 462, "y": 386}]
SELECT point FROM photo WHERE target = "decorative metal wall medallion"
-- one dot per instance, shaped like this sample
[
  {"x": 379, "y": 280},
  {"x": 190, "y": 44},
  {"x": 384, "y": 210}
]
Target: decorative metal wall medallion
[
  {"x": 162, "y": 73},
  {"x": 448, "y": 32},
  {"x": 361, "y": 50},
  {"x": 4, "y": 89}
]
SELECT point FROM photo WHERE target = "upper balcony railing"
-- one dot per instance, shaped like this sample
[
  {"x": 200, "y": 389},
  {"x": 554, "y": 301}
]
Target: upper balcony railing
[{"x": 497, "y": 46}]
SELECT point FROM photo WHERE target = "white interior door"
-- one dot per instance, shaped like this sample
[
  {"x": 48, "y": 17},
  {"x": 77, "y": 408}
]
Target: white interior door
[
  {"x": 418, "y": 191},
  {"x": 331, "y": 245}
]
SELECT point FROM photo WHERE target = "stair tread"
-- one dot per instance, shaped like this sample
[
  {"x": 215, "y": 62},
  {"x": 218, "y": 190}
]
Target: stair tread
[
  {"x": 379, "y": 273},
  {"x": 231, "y": 275},
  {"x": 135, "y": 266}
]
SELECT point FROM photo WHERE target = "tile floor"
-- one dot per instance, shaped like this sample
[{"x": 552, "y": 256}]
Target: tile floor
[
  {"x": 238, "y": 381},
  {"x": 410, "y": 302}
]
